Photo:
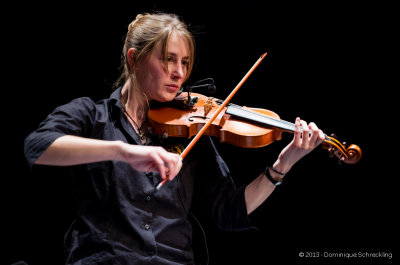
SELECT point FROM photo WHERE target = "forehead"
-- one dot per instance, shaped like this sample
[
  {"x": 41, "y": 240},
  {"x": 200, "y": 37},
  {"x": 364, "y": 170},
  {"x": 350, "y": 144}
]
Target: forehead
[{"x": 178, "y": 45}]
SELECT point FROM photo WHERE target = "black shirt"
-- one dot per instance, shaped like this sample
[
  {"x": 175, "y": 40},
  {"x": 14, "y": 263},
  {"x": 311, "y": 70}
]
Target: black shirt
[{"x": 121, "y": 218}]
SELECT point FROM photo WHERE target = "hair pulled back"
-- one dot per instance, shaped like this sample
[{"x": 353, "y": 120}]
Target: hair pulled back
[{"x": 145, "y": 33}]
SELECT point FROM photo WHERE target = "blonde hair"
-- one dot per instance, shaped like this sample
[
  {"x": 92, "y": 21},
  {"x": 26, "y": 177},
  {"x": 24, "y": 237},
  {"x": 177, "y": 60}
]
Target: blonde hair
[{"x": 145, "y": 33}]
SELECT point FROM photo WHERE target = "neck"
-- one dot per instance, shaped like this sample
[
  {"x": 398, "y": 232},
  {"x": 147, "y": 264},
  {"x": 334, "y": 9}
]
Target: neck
[{"x": 134, "y": 102}]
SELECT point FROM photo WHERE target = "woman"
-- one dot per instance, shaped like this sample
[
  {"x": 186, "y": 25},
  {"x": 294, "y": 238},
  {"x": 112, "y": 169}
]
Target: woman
[{"x": 116, "y": 163}]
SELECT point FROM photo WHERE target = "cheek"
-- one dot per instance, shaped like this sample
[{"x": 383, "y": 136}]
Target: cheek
[
  {"x": 151, "y": 78},
  {"x": 159, "y": 75},
  {"x": 156, "y": 72},
  {"x": 153, "y": 83}
]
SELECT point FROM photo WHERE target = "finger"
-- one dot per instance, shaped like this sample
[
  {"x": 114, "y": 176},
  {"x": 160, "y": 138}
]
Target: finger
[
  {"x": 314, "y": 133},
  {"x": 159, "y": 164},
  {"x": 177, "y": 166},
  {"x": 172, "y": 163},
  {"x": 166, "y": 166},
  {"x": 297, "y": 131},
  {"x": 321, "y": 137},
  {"x": 305, "y": 134}
]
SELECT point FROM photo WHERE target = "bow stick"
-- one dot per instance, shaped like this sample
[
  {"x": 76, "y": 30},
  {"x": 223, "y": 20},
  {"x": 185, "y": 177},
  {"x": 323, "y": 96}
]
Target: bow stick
[{"x": 221, "y": 107}]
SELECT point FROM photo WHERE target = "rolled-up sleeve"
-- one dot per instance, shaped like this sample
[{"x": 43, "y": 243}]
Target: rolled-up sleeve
[{"x": 73, "y": 118}]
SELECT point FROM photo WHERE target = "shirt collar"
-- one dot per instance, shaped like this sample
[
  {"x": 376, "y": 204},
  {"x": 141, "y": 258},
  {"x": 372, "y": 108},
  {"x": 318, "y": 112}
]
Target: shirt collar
[
  {"x": 116, "y": 95},
  {"x": 115, "y": 102}
]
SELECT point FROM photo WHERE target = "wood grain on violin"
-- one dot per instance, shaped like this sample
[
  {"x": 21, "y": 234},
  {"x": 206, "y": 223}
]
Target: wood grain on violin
[
  {"x": 256, "y": 127},
  {"x": 173, "y": 122},
  {"x": 236, "y": 125}
]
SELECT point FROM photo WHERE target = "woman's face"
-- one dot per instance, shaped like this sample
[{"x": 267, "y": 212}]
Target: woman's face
[{"x": 157, "y": 83}]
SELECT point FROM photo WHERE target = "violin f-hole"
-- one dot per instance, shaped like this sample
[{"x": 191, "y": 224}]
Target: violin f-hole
[{"x": 197, "y": 117}]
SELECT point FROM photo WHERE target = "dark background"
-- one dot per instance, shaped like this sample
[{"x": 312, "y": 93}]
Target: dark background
[{"x": 328, "y": 61}]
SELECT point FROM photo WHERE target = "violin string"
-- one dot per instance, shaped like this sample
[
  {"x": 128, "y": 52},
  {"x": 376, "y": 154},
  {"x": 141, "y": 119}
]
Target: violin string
[
  {"x": 331, "y": 140},
  {"x": 287, "y": 123},
  {"x": 290, "y": 125},
  {"x": 264, "y": 119}
]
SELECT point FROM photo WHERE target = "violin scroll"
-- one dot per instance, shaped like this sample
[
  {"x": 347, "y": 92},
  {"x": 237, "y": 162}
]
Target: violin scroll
[{"x": 349, "y": 154}]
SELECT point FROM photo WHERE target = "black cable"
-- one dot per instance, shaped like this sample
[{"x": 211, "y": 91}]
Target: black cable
[
  {"x": 194, "y": 217},
  {"x": 204, "y": 235}
]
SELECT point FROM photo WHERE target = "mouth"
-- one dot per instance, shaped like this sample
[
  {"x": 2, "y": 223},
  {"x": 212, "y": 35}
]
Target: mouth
[{"x": 172, "y": 88}]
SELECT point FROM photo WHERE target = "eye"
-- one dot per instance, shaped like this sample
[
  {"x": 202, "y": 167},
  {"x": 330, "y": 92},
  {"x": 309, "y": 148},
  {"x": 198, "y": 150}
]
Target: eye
[
  {"x": 185, "y": 63},
  {"x": 170, "y": 59}
]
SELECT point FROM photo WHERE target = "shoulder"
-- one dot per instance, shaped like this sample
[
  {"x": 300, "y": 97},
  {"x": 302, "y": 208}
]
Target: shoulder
[
  {"x": 82, "y": 106},
  {"x": 76, "y": 112},
  {"x": 79, "y": 103},
  {"x": 88, "y": 109}
]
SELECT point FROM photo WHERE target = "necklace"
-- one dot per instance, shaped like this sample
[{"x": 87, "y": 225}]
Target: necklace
[{"x": 139, "y": 128}]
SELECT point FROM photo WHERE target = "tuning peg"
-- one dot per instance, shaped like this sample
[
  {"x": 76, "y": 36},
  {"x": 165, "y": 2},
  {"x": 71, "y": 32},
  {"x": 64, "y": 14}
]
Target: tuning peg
[
  {"x": 331, "y": 151},
  {"x": 342, "y": 158},
  {"x": 347, "y": 153}
]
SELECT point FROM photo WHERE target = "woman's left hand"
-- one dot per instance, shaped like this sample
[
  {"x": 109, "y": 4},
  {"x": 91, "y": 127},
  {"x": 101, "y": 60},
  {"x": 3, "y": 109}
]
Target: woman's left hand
[{"x": 306, "y": 138}]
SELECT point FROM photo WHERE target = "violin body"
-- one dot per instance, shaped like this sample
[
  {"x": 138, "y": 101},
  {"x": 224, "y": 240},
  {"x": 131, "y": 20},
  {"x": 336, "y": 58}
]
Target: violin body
[
  {"x": 240, "y": 126},
  {"x": 174, "y": 122}
]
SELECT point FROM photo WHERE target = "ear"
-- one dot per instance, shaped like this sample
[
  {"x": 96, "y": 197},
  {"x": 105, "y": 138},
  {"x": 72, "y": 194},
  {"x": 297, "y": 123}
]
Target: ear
[{"x": 131, "y": 57}]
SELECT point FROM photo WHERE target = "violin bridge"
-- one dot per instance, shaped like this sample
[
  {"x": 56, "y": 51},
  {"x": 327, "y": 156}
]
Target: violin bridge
[{"x": 207, "y": 107}]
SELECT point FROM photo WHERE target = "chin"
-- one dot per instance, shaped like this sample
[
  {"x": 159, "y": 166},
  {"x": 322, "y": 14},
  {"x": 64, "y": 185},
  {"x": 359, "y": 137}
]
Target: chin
[{"x": 166, "y": 97}]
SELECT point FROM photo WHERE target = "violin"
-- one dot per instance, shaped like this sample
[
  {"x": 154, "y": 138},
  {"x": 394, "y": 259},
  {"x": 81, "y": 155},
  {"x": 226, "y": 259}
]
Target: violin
[
  {"x": 237, "y": 125},
  {"x": 240, "y": 126}
]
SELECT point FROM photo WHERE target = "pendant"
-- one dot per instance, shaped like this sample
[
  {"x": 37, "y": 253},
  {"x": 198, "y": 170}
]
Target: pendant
[{"x": 141, "y": 135}]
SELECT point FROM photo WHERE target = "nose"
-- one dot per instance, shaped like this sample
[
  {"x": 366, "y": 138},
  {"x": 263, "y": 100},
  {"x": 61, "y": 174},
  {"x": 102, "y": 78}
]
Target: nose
[{"x": 178, "y": 71}]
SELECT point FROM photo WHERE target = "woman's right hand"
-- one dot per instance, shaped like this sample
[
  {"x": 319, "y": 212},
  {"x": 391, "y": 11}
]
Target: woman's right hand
[{"x": 152, "y": 158}]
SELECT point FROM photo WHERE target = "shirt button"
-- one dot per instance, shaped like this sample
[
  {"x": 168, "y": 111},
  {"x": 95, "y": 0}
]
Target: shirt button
[
  {"x": 147, "y": 227},
  {"x": 148, "y": 198}
]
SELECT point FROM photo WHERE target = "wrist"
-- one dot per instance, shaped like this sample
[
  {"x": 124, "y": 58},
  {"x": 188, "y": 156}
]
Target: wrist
[
  {"x": 119, "y": 150},
  {"x": 274, "y": 176},
  {"x": 281, "y": 166}
]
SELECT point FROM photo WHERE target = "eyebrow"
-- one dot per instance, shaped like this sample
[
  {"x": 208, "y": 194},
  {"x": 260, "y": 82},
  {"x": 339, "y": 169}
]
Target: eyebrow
[{"x": 175, "y": 55}]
